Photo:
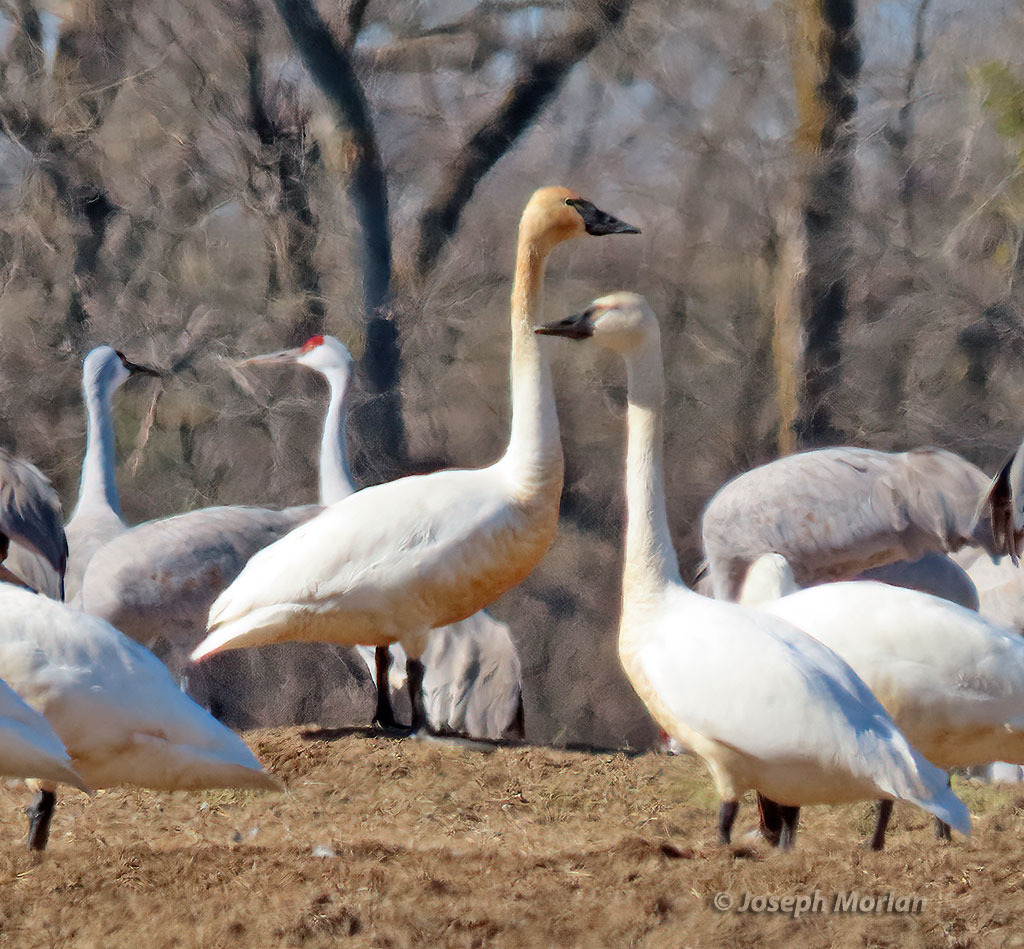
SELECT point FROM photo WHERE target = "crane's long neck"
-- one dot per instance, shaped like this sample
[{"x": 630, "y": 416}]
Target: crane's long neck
[
  {"x": 651, "y": 564},
  {"x": 534, "y": 449},
  {"x": 336, "y": 482},
  {"x": 97, "y": 487}
]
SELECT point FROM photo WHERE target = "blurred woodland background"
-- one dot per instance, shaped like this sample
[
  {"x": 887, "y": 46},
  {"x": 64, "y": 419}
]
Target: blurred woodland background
[{"x": 831, "y": 194}]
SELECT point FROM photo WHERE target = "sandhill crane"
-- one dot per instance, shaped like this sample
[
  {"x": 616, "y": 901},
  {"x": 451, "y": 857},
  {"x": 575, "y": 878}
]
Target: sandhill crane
[
  {"x": 394, "y": 561},
  {"x": 952, "y": 680},
  {"x": 97, "y": 515},
  {"x": 835, "y": 512},
  {"x": 472, "y": 673},
  {"x": 114, "y": 706},
  {"x": 1002, "y": 506},
  {"x": 33, "y": 546},
  {"x": 765, "y": 705}
]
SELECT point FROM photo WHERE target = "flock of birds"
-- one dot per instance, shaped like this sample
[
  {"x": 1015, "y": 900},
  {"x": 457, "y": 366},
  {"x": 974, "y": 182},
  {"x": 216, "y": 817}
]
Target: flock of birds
[{"x": 847, "y": 690}]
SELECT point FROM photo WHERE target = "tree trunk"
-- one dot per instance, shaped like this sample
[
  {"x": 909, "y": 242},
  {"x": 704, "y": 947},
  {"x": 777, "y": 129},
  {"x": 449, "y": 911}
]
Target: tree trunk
[
  {"x": 330, "y": 66},
  {"x": 812, "y": 288}
]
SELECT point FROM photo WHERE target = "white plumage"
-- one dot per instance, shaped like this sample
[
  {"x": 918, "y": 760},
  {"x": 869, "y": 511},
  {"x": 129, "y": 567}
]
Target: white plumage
[
  {"x": 952, "y": 680},
  {"x": 113, "y": 704},
  {"x": 29, "y": 747},
  {"x": 765, "y": 705}
]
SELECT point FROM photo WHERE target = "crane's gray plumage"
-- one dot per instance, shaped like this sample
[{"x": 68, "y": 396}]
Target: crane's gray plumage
[
  {"x": 30, "y": 517},
  {"x": 835, "y": 512},
  {"x": 473, "y": 680},
  {"x": 158, "y": 579},
  {"x": 156, "y": 583},
  {"x": 932, "y": 573},
  {"x": 1002, "y": 506}
]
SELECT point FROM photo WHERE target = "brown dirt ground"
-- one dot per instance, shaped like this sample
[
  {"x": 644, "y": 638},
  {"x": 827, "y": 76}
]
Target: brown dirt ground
[{"x": 437, "y": 845}]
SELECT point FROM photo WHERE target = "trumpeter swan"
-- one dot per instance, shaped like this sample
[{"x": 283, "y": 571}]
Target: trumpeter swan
[
  {"x": 394, "y": 561},
  {"x": 114, "y": 706},
  {"x": 97, "y": 515},
  {"x": 952, "y": 680},
  {"x": 472, "y": 675},
  {"x": 29, "y": 747},
  {"x": 765, "y": 705}
]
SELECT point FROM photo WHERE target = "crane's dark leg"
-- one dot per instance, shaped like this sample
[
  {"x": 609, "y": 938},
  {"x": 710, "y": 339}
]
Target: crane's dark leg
[
  {"x": 415, "y": 671},
  {"x": 881, "y": 824},
  {"x": 790, "y": 816},
  {"x": 726, "y": 818},
  {"x": 384, "y": 716},
  {"x": 517, "y": 729},
  {"x": 770, "y": 818},
  {"x": 39, "y": 816}
]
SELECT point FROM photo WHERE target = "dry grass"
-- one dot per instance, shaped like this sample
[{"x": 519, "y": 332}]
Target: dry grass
[{"x": 384, "y": 843}]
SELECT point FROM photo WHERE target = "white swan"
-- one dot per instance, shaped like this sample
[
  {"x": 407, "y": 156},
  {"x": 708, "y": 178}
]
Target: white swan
[
  {"x": 472, "y": 679},
  {"x": 392, "y": 562},
  {"x": 766, "y": 706},
  {"x": 952, "y": 680},
  {"x": 33, "y": 545},
  {"x": 29, "y": 747},
  {"x": 114, "y": 706},
  {"x": 97, "y": 515}
]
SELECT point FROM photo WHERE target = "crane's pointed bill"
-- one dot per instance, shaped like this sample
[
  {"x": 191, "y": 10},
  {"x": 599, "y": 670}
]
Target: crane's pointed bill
[
  {"x": 136, "y": 370},
  {"x": 598, "y": 222},
  {"x": 578, "y": 326},
  {"x": 281, "y": 356}
]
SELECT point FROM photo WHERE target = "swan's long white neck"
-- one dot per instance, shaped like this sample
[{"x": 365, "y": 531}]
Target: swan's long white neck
[
  {"x": 336, "y": 482},
  {"x": 534, "y": 452},
  {"x": 97, "y": 487},
  {"x": 651, "y": 564}
]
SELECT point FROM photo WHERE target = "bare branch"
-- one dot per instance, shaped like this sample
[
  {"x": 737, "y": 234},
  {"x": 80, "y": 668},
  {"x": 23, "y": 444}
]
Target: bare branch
[{"x": 539, "y": 78}]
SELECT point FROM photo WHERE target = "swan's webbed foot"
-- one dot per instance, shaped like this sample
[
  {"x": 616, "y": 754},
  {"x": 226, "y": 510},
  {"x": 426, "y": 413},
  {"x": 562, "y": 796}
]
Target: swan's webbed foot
[
  {"x": 942, "y": 831},
  {"x": 39, "y": 816}
]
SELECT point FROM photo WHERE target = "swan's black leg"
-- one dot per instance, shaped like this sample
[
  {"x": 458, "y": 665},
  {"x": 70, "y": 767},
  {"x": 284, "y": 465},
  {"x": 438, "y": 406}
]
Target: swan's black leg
[
  {"x": 415, "y": 671},
  {"x": 942, "y": 831},
  {"x": 790, "y": 816},
  {"x": 881, "y": 824},
  {"x": 726, "y": 818},
  {"x": 770, "y": 818},
  {"x": 39, "y": 816},
  {"x": 384, "y": 716}
]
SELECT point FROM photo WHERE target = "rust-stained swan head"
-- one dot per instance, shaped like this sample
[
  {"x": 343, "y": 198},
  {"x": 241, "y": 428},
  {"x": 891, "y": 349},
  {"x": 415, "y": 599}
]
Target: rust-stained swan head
[{"x": 556, "y": 214}]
